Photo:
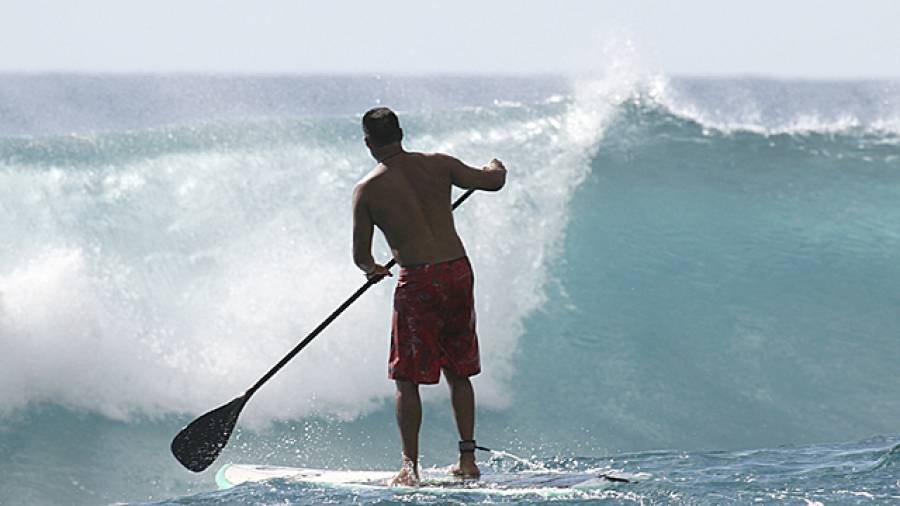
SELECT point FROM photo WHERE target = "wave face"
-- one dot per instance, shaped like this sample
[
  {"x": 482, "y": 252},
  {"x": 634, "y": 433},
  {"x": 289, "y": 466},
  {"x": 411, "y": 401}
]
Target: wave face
[
  {"x": 722, "y": 289},
  {"x": 674, "y": 263},
  {"x": 166, "y": 268}
]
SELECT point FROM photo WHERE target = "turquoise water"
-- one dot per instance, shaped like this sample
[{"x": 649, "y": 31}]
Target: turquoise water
[{"x": 695, "y": 279}]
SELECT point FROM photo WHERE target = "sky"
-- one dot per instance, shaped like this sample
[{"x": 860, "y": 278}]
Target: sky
[{"x": 784, "y": 38}]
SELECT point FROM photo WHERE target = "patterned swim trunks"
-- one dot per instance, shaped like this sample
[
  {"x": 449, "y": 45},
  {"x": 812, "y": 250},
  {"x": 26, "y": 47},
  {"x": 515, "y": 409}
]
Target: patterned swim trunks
[{"x": 434, "y": 322}]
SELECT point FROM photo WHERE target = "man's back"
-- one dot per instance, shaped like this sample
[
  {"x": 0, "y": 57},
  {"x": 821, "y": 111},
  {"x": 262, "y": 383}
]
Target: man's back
[{"x": 408, "y": 197}]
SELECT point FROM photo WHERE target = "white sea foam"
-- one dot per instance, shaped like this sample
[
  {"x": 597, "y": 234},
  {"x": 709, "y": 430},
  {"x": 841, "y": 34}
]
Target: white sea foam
[
  {"x": 168, "y": 283},
  {"x": 780, "y": 107}
]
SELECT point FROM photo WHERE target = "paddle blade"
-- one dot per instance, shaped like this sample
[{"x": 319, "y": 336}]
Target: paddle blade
[{"x": 200, "y": 442}]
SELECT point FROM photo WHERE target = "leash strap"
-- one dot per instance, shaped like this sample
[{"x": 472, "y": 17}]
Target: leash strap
[{"x": 469, "y": 446}]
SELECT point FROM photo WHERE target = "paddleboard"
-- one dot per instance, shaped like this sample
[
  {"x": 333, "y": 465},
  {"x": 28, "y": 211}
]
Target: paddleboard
[{"x": 435, "y": 481}]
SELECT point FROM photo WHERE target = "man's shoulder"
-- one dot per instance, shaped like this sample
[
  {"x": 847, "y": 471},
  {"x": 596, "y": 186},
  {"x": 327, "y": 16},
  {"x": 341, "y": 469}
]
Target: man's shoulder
[
  {"x": 437, "y": 157},
  {"x": 437, "y": 161},
  {"x": 371, "y": 176},
  {"x": 360, "y": 189},
  {"x": 365, "y": 185}
]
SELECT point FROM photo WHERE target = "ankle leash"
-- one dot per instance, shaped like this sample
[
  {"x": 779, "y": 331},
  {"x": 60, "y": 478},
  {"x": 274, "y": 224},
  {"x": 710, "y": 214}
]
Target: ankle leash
[{"x": 469, "y": 446}]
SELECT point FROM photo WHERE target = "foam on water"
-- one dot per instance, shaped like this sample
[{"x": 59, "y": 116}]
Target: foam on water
[
  {"x": 770, "y": 107},
  {"x": 848, "y": 473},
  {"x": 164, "y": 271}
]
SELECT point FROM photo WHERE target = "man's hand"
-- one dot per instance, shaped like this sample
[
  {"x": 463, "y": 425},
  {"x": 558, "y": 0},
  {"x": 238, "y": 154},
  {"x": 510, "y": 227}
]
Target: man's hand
[
  {"x": 378, "y": 273},
  {"x": 495, "y": 165}
]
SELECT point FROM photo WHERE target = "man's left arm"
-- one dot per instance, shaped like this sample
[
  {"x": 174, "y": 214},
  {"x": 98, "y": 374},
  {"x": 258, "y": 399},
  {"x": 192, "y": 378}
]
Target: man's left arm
[{"x": 363, "y": 228}]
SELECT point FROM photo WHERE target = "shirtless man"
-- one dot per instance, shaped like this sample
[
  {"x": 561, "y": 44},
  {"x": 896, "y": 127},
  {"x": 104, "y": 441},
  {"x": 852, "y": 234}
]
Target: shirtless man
[{"x": 407, "y": 195}]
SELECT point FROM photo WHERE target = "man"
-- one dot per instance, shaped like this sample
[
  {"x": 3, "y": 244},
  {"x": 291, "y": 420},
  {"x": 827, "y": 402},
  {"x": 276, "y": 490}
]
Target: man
[{"x": 407, "y": 195}]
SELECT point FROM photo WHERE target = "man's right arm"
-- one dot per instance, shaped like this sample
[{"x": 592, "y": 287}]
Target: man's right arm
[{"x": 491, "y": 178}]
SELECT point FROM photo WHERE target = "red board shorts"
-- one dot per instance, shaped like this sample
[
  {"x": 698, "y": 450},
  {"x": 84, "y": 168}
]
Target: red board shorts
[{"x": 434, "y": 322}]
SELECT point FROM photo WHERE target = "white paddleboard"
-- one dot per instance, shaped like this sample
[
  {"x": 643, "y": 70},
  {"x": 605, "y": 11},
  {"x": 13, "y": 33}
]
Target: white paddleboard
[{"x": 432, "y": 480}]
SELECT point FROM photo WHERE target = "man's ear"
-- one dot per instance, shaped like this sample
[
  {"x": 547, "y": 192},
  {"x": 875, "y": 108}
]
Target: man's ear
[{"x": 368, "y": 144}]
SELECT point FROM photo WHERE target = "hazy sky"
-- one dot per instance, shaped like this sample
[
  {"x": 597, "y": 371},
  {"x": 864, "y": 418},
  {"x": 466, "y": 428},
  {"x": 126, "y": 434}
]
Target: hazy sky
[{"x": 782, "y": 38}]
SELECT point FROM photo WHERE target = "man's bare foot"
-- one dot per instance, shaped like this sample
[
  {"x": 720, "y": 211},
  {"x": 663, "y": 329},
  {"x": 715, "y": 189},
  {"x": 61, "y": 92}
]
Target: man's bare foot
[
  {"x": 466, "y": 467},
  {"x": 408, "y": 475}
]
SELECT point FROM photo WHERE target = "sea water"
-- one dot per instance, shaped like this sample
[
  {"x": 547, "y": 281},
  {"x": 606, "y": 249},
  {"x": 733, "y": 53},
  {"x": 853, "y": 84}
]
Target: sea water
[{"x": 698, "y": 279}]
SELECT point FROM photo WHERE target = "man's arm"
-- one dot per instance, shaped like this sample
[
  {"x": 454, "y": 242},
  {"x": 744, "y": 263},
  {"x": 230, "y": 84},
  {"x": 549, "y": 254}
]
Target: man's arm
[
  {"x": 491, "y": 178},
  {"x": 363, "y": 228}
]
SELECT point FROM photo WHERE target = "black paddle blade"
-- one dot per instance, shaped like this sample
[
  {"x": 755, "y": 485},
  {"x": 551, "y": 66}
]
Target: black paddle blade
[{"x": 199, "y": 444}]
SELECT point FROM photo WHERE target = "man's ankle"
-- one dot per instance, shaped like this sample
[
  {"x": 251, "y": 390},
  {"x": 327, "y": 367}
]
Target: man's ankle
[
  {"x": 467, "y": 458},
  {"x": 411, "y": 463}
]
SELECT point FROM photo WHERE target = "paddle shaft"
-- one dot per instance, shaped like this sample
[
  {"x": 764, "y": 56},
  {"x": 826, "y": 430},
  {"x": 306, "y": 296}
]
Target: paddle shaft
[{"x": 337, "y": 312}]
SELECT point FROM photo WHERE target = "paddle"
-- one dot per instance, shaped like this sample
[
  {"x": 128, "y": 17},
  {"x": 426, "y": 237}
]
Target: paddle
[{"x": 198, "y": 444}]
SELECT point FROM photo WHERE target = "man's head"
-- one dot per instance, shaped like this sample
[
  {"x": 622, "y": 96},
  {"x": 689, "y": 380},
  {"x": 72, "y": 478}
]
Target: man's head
[{"x": 382, "y": 127}]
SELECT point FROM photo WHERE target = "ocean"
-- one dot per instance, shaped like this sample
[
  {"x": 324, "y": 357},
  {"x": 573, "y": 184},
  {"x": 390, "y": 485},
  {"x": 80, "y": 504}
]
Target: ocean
[{"x": 693, "y": 278}]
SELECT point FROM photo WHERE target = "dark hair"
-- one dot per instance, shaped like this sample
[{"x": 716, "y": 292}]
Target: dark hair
[{"x": 382, "y": 127}]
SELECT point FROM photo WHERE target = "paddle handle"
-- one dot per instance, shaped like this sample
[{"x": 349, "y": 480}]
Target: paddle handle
[{"x": 337, "y": 312}]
